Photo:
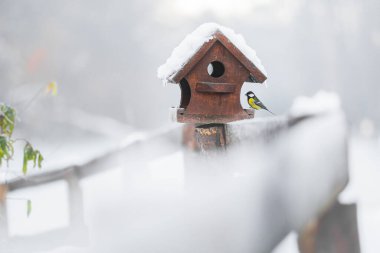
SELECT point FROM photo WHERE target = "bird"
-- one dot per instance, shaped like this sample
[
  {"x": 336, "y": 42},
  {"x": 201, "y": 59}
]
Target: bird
[{"x": 255, "y": 102}]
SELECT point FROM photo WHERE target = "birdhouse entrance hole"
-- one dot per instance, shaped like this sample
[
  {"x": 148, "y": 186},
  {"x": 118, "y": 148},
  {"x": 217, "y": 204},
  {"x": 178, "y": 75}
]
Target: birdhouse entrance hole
[
  {"x": 185, "y": 93},
  {"x": 215, "y": 69}
]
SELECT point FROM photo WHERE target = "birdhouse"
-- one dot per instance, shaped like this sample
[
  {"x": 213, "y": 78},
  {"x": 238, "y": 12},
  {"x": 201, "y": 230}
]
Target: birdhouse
[{"x": 210, "y": 66}]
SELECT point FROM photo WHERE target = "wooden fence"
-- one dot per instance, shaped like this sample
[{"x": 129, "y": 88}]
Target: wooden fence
[{"x": 198, "y": 139}]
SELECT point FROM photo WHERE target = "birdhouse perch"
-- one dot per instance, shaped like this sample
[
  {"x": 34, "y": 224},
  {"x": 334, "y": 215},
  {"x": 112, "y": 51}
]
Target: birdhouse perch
[{"x": 210, "y": 65}]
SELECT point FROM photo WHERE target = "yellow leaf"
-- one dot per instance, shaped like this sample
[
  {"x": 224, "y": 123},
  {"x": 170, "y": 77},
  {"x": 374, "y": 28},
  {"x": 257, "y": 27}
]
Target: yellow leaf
[{"x": 52, "y": 88}]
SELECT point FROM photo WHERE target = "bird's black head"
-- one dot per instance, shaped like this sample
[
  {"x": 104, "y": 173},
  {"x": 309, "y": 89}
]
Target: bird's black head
[{"x": 250, "y": 94}]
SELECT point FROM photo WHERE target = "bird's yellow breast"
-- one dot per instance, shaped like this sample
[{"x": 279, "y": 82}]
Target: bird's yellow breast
[{"x": 251, "y": 102}]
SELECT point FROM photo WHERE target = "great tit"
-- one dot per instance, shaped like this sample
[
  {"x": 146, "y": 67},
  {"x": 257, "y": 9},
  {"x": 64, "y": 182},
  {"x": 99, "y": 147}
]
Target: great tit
[{"x": 255, "y": 103}]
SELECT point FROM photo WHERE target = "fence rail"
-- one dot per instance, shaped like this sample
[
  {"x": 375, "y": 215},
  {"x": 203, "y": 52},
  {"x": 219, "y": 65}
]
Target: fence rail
[
  {"x": 145, "y": 148},
  {"x": 142, "y": 143}
]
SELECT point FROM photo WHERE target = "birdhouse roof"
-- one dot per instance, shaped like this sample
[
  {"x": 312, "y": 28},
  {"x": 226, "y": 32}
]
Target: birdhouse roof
[{"x": 197, "y": 43}]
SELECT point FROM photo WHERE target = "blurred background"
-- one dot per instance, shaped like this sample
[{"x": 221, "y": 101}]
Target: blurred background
[{"x": 104, "y": 56}]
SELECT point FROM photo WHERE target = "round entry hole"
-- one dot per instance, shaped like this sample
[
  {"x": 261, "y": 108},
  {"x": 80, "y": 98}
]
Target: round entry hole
[{"x": 215, "y": 69}]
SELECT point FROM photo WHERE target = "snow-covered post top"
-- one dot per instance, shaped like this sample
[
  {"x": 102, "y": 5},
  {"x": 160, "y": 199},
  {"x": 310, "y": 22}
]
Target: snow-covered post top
[{"x": 210, "y": 65}]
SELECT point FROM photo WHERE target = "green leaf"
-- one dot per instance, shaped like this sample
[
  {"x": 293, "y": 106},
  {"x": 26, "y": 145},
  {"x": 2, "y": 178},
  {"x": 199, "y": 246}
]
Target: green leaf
[
  {"x": 40, "y": 159},
  {"x": 6, "y": 149},
  {"x": 7, "y": 124},
  {"x": 1, "y": 156},
  {"x": 33, "y": 155},
  {"x": 7, "y": 119},
  {"x": 28, "y": 156},
  {"x": 28, "y": 207},
  {"x": 3, "y": 147},
  {"x": 25, "y": 166}
]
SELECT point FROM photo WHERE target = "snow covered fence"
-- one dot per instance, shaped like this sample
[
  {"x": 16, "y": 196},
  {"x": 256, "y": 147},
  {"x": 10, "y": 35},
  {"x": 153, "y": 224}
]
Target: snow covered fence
[
  {"x": 290, "y": 168},
  {"x": 136, "y": 147},
  {"x": 302, "y": 158}
]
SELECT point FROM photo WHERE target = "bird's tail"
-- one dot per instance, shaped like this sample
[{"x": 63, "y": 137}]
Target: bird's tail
[{"x": 271, "y": 112}]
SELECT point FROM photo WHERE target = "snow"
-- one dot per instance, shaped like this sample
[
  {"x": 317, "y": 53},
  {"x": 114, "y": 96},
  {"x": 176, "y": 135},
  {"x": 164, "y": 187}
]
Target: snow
[
  {"x": 321, "y": 102},
  {"x": 194, "y": 41},
  {"x": 148, "y": 205},
  {"x": 363, "y": 189},
  {"x": 288, "y": 244}
]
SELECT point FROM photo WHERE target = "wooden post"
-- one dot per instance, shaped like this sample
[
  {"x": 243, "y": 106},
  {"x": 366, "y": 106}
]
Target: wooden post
[
  {"x": 206, "y": 141},
  {"x": 335, "y": 231},
  {"x": 75, "y": 199},
  {"x": 211, "y": 137},
  {"x": 3, "y": 212}
]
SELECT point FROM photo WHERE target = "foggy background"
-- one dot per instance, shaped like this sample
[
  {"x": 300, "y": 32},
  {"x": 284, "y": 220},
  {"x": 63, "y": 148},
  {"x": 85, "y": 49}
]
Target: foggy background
[{"x": 104, "y": 54}]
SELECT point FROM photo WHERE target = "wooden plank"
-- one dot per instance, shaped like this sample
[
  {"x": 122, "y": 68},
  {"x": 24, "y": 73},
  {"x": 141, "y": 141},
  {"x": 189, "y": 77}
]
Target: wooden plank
[
  {"x": 184, "y": 117},
  {"x": 152, "y": 146},
  {"x": 215, "y": 87},
  {"x": 250, "y": 112},
  {"x": 335, "y": 231},
  {"x": 3, "y": 192},
  {"x": 3, "y": 212}
]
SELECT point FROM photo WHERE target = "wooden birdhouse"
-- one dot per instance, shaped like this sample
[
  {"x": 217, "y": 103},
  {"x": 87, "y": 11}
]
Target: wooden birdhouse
[{"x": 210, "y": 65}]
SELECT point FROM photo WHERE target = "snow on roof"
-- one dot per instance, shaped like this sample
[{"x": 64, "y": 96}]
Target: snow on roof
[{"x": 194, "y": 41}]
